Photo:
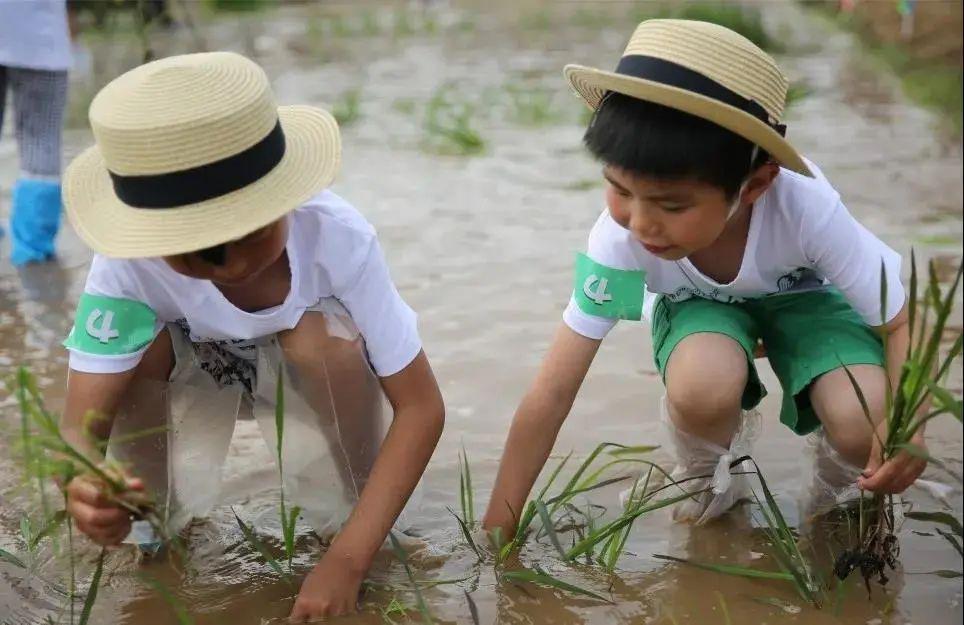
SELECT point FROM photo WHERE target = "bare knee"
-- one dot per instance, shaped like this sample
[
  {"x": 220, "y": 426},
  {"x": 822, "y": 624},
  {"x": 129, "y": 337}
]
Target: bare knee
[
  {"x": 705, "y": 379},
  {"x": 849, "y": 426},
  {"x": 309, "y": 345}
]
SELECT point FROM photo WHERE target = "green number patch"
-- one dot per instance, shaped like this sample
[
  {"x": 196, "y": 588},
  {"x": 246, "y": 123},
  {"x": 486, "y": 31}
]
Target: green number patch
[
  {"x": 606, "y": 292},
  {"x": 111, "y": 326}
]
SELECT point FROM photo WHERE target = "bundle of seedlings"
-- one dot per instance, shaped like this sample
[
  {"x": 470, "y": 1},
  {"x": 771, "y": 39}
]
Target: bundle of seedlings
[
  {"x": 918, "y": 398},
  {"x": 46, "y": 455}
]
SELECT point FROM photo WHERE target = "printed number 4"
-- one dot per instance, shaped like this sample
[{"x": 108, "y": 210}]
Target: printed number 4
[
  {"x": 599, "y": 295},
  {"x": 105, "y": 332}
]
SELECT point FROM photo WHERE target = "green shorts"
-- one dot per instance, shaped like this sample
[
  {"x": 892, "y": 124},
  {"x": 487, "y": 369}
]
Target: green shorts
[{"x": 805, "y": 335}]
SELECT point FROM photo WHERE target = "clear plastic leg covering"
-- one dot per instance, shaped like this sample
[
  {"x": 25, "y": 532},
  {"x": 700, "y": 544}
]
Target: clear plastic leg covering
[
  {"x": 834, "y": 478},
  {"x": 335, "y": 416},
  {"x": 181, "y": 466},
  {"x": 335, "y": 419},
  {"x": 699, "y": 457}
]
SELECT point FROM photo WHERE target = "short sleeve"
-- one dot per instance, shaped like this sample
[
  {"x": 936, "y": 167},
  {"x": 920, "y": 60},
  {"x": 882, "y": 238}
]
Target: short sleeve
[
  {"x": 113, "y": 326},
  {"x": 607, "y": 246},
  {"x": 388, "y": 325},
  {"x": 851, "y": 258}
]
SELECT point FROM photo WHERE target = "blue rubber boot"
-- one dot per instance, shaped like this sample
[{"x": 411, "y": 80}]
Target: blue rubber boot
[{"x": 34, "y": 220}]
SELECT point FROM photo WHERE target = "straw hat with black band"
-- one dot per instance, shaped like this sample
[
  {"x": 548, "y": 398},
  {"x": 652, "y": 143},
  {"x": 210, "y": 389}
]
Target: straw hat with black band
[
  {"x": 705, "y": 70},
  {"x": 193, "y": 151}
]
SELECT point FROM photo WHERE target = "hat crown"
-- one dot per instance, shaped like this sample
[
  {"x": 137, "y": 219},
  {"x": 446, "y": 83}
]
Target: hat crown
[
  {"x": 718, "y": 53},
  {"x": 161, "y": 117}
]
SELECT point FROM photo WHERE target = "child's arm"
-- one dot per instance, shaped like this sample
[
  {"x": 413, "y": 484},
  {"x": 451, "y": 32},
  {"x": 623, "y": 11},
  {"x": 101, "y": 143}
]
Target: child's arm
[
  {"x": 536, "y": 425},
  {"x": 103, "y": 521},
  {"x": 332, "y": 587},
  {"x": 898, "y": 473}
]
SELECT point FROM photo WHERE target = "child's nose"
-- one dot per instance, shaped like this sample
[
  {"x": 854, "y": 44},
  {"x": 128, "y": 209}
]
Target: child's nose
[{"x": 643, "y": 224}]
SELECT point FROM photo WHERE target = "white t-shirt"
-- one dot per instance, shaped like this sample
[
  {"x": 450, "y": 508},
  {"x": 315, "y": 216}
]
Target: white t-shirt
[
  {"x": 34, "y": 34},
  {"x": 332, "y": 251},
  {"x": 801, "y": 238}
]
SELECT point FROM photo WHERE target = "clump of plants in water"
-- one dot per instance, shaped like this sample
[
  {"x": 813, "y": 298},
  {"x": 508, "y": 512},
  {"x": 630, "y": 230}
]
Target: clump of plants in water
[
  {"x": 448, "y": 124},
  {"x": 347, "y": 108},
  {"x": 918, "y": 399},
  {"x": 46, "y": 455},
  {"x": 531, "y": 106}
]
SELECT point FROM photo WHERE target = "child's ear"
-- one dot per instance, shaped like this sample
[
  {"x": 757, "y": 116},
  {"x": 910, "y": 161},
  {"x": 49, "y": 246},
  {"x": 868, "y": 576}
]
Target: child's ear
[{"x": 760, "y": 181}]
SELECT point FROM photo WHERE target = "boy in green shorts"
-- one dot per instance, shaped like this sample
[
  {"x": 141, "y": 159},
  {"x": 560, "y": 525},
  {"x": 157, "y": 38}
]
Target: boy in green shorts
[
  {"x": 728, "y": 242},
  {"x": 222, "y": 262}
]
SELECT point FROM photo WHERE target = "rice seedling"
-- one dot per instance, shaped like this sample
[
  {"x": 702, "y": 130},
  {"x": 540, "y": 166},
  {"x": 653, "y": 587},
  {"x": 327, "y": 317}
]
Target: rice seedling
[
  {"x": 465, "y": 489},
  {"x": 448, "y": 125},
  {"x": 723, "y": 608},
  {"x": 394, "y": 608},
  {"x": 347, "y": 109},
  {"x": 46, "y": 454},
  {"x": 538, "y": 576},
  {"x": 260, "y": 547},
  {"x": 797, "y": 92},
  {"x": 419, "y": 599},
  {"x": 531, "y": 106},
  {"x": 918, "y": 399},
  {"x": 402, "y": 24},
  {"x": 794, "y": 566},
  {"x": 473, "y": 609},
  {"x": 92, "y": 592},
  {"x": 288, "y": 519},
  {"x": 610, "y": 536},
  {"x": 177, "y": 607}
]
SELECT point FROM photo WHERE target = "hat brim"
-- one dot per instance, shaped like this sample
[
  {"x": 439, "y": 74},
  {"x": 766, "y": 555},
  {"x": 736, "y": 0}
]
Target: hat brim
[
  {"x": 113, "y": 228},
  {"x": 592, "y": 84}
]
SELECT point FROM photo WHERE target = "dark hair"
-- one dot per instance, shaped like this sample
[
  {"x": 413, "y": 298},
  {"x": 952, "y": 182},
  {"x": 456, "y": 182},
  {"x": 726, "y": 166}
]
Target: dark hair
[
  {"x": 214, "y": 255},
  {"x": 656, "y": 141}
]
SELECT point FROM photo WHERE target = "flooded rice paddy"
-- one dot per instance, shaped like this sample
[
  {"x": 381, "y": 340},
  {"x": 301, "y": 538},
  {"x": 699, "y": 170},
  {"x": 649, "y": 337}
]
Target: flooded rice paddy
[{"x": 462, "y": 146}]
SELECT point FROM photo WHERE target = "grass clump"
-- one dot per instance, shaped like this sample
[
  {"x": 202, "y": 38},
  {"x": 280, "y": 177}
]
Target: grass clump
[
  {"x": 347, "y": 108},
  {"x": 531, "y": 106},
  {"x": 794, "y": 567},
  {"x": 449, "y": 126},
  {"x": 918, "y": 399},
  {"x": 45, "y": 455}
]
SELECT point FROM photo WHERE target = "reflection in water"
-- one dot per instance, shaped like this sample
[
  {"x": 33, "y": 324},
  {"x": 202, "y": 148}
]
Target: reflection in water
[{"x": 481, "y": 247}]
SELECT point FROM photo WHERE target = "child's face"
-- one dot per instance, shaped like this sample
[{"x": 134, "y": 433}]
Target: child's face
[
  {"x": 244, "y": 258},
  {"x": 674, "y": 218}
]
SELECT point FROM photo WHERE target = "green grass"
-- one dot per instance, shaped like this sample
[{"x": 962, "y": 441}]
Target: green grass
[
  {"x": 540, "y": 577},
  {"x": 448, "y": 125},
  {"x": 419, "y": 599},
  {"x": 918, "y": 399},
  {"x": 532, "y": 106},
  {"x": 347, "y": 108},
  {"x": 288, "y": 518},
  {"x": 794, "y": 566}
]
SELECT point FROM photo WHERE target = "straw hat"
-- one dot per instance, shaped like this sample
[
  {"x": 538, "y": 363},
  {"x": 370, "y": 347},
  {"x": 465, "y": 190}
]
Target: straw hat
[
  {"x": 192, "y": 151},
  {"x": 705, "y": 70}
]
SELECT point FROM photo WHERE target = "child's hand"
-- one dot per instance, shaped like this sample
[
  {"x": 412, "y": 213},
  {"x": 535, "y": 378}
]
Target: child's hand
[
  {"x": 96, "y": 514},
  {"x": 331, "y": 589},
  {"x": 895, "y": 475}
]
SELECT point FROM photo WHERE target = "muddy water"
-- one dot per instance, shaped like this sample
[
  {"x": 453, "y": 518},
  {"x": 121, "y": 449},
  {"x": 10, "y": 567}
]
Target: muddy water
[{"x": 481, "y": 246}]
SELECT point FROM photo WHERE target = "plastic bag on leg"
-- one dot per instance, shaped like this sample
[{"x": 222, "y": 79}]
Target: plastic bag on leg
[
  {"x": 335, "y": 419},
  {"x": 697, "y": 457},
  {"x": 180, "y": 465}
]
